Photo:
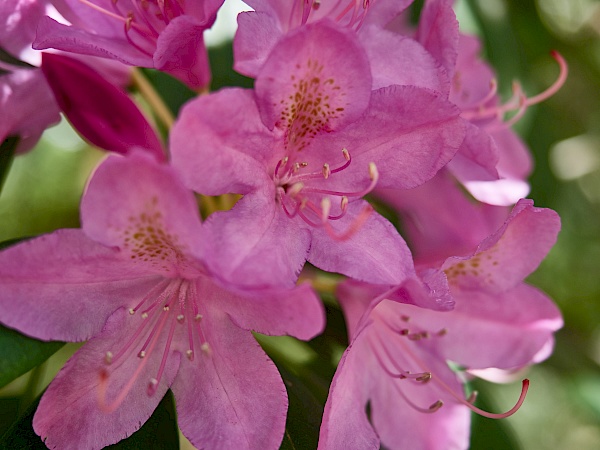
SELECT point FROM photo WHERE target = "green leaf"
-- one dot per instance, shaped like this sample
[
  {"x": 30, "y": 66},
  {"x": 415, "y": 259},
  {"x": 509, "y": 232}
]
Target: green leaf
[
  {"x": 19, "y": 354},
  {"x": 7, "y": 154},
  {"x": 304, "y": 414},
  {"x": 158, "y": 433}
]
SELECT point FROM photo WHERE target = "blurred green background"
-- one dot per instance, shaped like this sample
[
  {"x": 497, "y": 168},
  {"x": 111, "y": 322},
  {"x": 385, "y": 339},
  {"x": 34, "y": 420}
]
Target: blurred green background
[{"x": 562, "y": 410}]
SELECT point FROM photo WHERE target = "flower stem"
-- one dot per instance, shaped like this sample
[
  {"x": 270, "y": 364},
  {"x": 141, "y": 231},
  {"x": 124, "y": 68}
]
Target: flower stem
[{"x": 162, "y": 111}]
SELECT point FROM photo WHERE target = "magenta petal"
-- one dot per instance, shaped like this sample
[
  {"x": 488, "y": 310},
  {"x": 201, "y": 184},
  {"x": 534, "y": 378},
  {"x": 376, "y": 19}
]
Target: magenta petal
[
  {"x": 128, "y": 195},
  {"x": 316, "y": 66},
  {"x": 232, "y": 397},
  {"x": 51, "y": 34},
  {"x": 376, "y": 253},
  {"x": 69, "y": 414},
  {"x": 102, "y": 113},
  {"x": 217, "y": 156},
  {"x": 508, "y": 256},
  {"x": 180, "y": 52},
  {"x": 255, "y": 243},
  {"x": 296, "y": 312},
  {"x": 18, "y": 21},
  {"x": 61, "y": 278}
]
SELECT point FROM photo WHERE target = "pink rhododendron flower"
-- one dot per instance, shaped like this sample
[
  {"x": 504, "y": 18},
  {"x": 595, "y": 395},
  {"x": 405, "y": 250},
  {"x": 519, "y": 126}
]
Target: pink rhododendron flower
[
  {"x": 492, "y": 163},
  {"x": 27, "y": 106},
  {"x": 303, "y": 150},
  {"x": 166, "y": 35},
  {"x": 394, "y": 59},
  {"x": 397, "y": 359},
  {"x": 134, "y": 282}
]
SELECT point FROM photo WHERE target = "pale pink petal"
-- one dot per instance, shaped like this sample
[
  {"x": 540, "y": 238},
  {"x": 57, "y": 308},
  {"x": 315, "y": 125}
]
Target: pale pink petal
[
  {"x": 376, "y": 253},
  {"x": 317, "y": 79},
  {"x": 505, "y": 330},
  {"x": 477, "y": 157},
  {"x": 231, "y": 396},
  {"x": 142, "y": 207},
  {"x": 345, "y": 423},
  {"x": 180, "y": 52},
  {"x": 508, "y": 256},
  {"x": 296, "y": 312},
  {"x": 255, "y": 243},
  {"x": 65, "y": 285},
  {"x": 69, "y": 415},
  {"x": 217, "y": 156},
  {"x": 502, "y": 192}
]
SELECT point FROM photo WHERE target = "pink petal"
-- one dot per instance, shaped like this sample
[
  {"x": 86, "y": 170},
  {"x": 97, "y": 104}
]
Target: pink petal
[
  {"x": 438, "y": 32},
  {"x": 508, "y": 256},
  {"x": 51, "y": 34},
  {"x": 255, "y": 243},
  {"x": 296, "y": 312},
  {"x": 316, "y": 79},
  {"x": 477, "y": 157},
  {"x": 396, "y": 59},
  {"x": 217, "y": 156},
  {"x": 180, "y": 52},
  {"x": 142, "y": 207},
  {"x": 505, "y": 330},
  {"x": 345, "y": 423},
  {"x": 69, "y": 415},
  {"x": 18, "y": 21},
  {"x": 376, "y": 253},
  {"x": 257, "y": 34},
  {"x": 431, "y": 222},
  {"x": 101, "y": 112},
  {"x": 63, "y": 286},
  {"x": 408, "y": 132},
  {"x": 27, "y": 107},
  {"x": 233, "y": 397}
]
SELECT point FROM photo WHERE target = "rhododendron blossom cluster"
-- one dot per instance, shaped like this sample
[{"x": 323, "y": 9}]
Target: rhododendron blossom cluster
[{"x": 352, "y": 106}]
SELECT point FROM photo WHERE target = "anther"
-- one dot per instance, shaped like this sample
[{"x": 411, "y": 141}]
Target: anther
[
  {"x": 144, "y": 315},
  {"x": 373, "y": 172},
  {"x": 471, "y": 399},
  {"x": 325, "y": 208},
  {"x": 166, "y": 308},
  {"x": 131, "y": 311},
  {"x": 346, "y": 154},
  {"x": 344, "y": 203},
  {"x": 198, "y": 317},
  {"x": 108, "y": 357},
  {"x": 180, "y": 318},
  {"x": 295, "y": 189},
  {"x": 424, "y": 378},
  {"x": 190, "y": 355},
  {"x": 141, "y": 354},
  {"x": 435, "y": 406},
  {"x": 326, "y": 171},
  {"x": 206, "y": 348}
]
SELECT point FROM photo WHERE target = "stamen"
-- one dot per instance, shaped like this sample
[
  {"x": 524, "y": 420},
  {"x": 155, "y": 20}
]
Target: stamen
[
  {"x": 326, "y": 171},
  {"x": 152, "y": 386},
  {"x": 519, "y": 101},
  {"x": 180, "y": 318},
  {"x": 108, "y": 357}
]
